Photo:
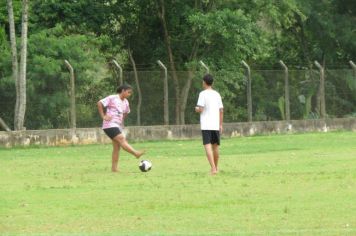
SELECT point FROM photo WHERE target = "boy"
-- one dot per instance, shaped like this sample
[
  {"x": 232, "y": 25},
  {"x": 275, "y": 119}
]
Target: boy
[{"x": 211, "y": 111}]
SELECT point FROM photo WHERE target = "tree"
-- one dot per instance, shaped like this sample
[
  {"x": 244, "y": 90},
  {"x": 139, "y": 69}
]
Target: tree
[
  {"x": 138, "y": 89},
  {"x": 19, "y": 71},
  {"x": 48, "y": 78},
  {"x": 179, "y": 33},
  {"x": 14, "y": 59}
]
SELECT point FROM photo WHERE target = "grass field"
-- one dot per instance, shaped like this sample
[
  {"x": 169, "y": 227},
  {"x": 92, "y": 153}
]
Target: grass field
[{"x": 303, "y": 184}]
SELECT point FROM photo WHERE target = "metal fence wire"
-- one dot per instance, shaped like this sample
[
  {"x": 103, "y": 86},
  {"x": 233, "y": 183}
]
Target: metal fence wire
[{"x": 50, "y": 108}]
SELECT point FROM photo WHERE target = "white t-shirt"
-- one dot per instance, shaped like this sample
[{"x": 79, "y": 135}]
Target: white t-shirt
[{"x": 211, "y": 101}]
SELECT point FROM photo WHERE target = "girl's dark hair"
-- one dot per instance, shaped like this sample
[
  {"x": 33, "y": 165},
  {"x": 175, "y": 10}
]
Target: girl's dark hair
[{"x": 123, "y": 87}]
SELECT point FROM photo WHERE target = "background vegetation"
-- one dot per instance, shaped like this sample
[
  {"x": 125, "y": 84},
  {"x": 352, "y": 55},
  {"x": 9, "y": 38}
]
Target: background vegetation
[{"x": 179, "y": 33}]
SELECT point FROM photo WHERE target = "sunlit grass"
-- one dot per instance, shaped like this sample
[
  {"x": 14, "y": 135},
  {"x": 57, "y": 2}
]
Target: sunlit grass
[{"x": 301, "y": 184}]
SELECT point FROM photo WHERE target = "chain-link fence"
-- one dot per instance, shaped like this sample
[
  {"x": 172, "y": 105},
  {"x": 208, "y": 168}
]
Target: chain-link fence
[{"x": 49, "y": 107}]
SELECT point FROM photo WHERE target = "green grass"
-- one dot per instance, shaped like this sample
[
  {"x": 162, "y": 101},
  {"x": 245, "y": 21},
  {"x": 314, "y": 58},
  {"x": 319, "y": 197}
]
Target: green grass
[{"x": 302, "y": 184}]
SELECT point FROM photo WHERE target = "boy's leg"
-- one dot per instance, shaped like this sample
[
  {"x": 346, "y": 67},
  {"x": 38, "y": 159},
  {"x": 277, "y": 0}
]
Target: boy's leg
[
  {"x": 210, "y": 157},
  {"x": 115, "y": 156},
  {"x": 216, "y": 155},
  {"x": 127, "y": 147}
]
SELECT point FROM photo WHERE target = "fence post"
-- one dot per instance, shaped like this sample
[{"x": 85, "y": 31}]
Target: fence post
[
  {"x": 353, "y": 67},
  {"x": 165, "y": 91},
  {"x": 205, "y": 66},
  {"x": 120, "y": 71},
  {"x": 249, "y": 94},
  {"x": 286, "y": 90},
  {"x": 4, "y": 125},
  {"x": 321, "y": 90},
  {"x": 73, "y": 118}
]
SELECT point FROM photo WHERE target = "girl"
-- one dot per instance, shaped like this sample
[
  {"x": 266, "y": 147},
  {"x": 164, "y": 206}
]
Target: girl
[{"x": 117, "y": 108}]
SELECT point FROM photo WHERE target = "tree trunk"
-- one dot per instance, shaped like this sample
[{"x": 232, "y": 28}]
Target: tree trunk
[
  {"x": 304, "y": 43},
  {"x": 19, "y": 75},
  {"x": 138, "y": 89},
  {"x": 23, "y": 64},
  {"x": 161, "y": 14},
  {"x": 186, "y": 88},
  {"x": 14, "y": 59},
  {"x": 184, "y": 97}
]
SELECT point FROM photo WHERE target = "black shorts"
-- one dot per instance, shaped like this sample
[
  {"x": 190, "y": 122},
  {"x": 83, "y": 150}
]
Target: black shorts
[
  {"x": 112, "y": 132},
  {"x": 211, "y": 136}
]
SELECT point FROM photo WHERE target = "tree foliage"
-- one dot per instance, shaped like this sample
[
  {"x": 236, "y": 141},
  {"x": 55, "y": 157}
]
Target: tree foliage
[{"x": 179, "y": 33}]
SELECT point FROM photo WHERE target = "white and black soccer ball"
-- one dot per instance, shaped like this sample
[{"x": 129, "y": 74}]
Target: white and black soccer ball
[{"x": 145, "y": 165}]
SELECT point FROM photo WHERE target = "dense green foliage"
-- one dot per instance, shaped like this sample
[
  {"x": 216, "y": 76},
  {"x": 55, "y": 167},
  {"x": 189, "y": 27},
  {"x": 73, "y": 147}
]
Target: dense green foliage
[
  {"x": 303, "y": 184},
  {"x": 90, "y": 34}
]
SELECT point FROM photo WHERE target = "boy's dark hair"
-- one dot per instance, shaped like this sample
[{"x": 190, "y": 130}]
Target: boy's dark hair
[
  {"x": 208, "y": 79},
  {"x": 123, "y": 87}
]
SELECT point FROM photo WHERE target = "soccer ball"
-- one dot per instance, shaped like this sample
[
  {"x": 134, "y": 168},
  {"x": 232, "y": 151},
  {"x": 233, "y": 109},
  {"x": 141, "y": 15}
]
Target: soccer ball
[{"x": 145, "y": 165}]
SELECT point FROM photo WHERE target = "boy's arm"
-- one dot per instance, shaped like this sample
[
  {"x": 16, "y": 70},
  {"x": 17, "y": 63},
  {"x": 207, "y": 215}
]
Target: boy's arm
[
  {"x": 199, "y": 109},
  {"x": 221, "y": 119}
]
